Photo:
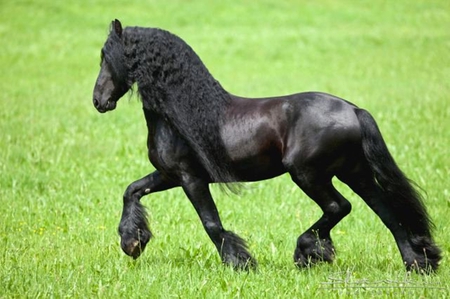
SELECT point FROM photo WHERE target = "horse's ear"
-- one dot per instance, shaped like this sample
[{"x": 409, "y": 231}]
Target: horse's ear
[{"x": 117, "y": 26}]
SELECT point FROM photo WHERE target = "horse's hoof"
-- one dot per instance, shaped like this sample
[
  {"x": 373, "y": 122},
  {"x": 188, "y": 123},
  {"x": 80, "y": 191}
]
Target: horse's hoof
[
  {"x": 134, "y": 247},
  {"x": 422, "y": 267},
  {"x": 242, "y": 262},
  {"x": 312, "y": 255},
  {"x": 309, "y": 261}
]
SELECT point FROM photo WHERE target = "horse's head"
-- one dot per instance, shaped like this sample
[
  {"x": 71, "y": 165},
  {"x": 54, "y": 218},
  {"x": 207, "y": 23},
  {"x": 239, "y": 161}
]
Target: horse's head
[{"x": 113, "y": 80}]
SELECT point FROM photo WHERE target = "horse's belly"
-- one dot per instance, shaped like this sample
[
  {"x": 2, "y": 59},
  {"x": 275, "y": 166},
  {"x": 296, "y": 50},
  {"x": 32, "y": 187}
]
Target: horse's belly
[
  {"x": 259, "y": 167},
  {"x": 255, "y": 154}
]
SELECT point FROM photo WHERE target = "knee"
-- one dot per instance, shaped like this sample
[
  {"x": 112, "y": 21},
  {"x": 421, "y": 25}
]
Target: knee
[{"x": 130, "y": 191}]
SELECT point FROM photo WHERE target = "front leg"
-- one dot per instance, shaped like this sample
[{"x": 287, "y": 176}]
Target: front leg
[
  {"x": 232, "y": 249},
  {"x": 133, "y": 227}
]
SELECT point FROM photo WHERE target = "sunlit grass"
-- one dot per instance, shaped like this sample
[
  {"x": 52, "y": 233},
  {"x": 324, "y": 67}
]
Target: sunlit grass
[{"x": 64, "y": 167}]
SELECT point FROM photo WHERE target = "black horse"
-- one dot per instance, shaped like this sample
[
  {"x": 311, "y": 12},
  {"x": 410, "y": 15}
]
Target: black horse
[{"x": 198, "y": 134}]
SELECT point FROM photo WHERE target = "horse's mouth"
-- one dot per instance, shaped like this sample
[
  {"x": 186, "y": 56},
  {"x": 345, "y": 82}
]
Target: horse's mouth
[{"x": 110, "y": 105}]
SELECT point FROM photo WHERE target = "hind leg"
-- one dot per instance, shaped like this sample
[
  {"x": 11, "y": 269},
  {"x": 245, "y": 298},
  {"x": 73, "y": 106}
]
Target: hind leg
[
  {"x": 419, "y": 253},
  {"x": 315, "y": 245}
]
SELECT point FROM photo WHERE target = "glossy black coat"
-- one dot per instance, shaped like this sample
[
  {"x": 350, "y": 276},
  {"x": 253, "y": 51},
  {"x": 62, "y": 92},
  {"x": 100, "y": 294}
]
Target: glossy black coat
[{"x": 200, "y": 134}]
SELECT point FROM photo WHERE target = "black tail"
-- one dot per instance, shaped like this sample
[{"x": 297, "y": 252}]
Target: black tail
[{"x": 401, "y": 195}]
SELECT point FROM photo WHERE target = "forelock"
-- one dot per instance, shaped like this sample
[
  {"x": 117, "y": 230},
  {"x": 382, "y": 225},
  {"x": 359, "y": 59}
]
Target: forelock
[{"x": 114, "y": 54}]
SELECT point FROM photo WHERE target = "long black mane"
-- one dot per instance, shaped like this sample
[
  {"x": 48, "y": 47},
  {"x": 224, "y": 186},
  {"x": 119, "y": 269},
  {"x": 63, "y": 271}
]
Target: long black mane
[{"x": 173, "y": 82}]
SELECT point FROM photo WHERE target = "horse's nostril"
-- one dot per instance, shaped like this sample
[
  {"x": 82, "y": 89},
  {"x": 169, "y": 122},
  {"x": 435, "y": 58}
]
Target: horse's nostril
[{"x": 96, "y": 103}]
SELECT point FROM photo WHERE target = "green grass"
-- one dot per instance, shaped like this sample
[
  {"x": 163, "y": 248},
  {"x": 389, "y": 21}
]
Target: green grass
[{"x": 64, "y": 167}]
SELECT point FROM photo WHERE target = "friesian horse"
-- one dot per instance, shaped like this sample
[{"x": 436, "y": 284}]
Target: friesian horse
[{"x": 198, "y": 134}]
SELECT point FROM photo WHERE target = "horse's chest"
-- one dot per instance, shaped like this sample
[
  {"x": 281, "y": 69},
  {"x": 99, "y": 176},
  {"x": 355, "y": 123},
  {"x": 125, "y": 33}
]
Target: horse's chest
[{"x": 166, "y": 150}]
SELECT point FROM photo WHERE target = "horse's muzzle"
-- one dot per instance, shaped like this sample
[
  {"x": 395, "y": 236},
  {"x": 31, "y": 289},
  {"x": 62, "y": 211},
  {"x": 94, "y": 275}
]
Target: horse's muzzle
[{"x": 104, "y": 106}]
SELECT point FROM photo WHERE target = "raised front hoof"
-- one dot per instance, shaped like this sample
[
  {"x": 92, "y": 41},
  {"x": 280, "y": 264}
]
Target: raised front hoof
[
  {"x": 243, "y": 261},
  {"x": 310, "y": 255},
  {"x": 134, "y": 247}
]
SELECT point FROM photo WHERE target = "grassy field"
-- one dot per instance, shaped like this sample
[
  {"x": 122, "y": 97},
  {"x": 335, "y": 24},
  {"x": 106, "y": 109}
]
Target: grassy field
[{"x": 64, "y": 167}]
